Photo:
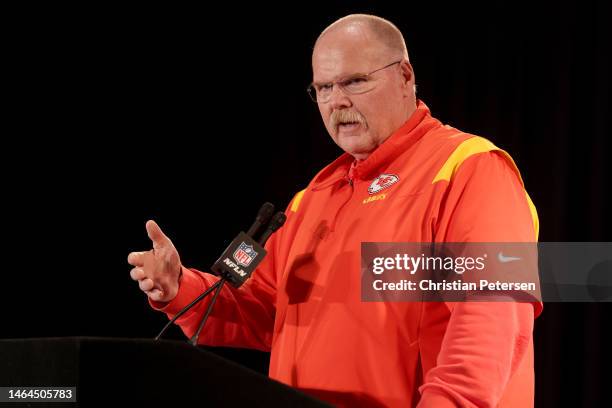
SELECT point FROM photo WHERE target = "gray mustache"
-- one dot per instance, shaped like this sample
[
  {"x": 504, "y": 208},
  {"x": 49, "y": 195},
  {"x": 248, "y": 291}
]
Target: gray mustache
[{"x": 343, "y": 116}]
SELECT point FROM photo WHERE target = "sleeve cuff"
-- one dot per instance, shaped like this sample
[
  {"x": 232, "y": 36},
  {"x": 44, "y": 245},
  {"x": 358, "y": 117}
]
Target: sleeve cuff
[{"x": 192, "y": 283}]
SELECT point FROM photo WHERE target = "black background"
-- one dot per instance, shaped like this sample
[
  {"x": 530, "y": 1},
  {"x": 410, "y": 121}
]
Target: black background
[{"x": 195, "y": 117}]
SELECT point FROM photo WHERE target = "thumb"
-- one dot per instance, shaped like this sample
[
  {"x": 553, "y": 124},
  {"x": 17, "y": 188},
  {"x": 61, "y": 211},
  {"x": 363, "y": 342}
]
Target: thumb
[{"x": 156, "y": 235}]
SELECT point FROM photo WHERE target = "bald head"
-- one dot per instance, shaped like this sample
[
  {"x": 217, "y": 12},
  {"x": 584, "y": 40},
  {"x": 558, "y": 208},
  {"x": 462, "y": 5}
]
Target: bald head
[{"x": 380, "y": 30}]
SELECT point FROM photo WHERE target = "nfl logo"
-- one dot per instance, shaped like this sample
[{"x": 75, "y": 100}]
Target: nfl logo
[{"x": 245, "y": 254}]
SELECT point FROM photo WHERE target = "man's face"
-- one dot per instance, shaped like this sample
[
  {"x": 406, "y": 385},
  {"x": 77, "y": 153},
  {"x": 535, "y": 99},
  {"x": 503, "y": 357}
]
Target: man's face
[{"x": 360, "y": 123}]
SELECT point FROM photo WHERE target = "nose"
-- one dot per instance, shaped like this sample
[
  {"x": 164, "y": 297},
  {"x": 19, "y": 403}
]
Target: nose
[{"x": 339, "y": 99}]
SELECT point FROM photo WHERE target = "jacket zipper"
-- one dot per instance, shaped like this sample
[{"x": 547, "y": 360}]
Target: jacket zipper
[{"x": 348, "y": 200}]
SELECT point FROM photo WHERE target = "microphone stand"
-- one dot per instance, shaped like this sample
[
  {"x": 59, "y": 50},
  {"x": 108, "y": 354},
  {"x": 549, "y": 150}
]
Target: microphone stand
[
  {"x": 194, "y": 338},
  {"x": 218, "y": 285}
]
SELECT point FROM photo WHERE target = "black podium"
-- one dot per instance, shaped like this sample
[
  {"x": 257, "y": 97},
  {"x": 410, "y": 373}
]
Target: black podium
[{"x": 139, "y": 372}]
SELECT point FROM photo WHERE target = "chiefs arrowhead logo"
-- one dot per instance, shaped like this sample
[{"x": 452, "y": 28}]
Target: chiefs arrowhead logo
[{"x": 381, "y": 182}]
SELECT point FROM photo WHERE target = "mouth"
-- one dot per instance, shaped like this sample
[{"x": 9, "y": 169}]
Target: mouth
[{"x": 348, "y": 126}]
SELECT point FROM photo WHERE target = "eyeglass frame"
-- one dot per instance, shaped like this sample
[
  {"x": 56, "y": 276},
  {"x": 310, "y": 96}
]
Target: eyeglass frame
[{"x": 312, "y": 91}]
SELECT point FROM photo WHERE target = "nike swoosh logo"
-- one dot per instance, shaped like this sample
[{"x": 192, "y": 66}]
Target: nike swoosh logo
[{"x": 503, "y": 259}]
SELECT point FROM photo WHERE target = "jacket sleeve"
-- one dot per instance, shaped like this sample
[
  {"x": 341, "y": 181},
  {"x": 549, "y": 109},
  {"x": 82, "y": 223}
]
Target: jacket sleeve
[{"x": 484, "y": 342}]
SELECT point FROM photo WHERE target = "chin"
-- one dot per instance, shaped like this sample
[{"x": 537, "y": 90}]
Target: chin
[
  {"x": 354, "y": 144},
  {"x": 358, "y": 152}
]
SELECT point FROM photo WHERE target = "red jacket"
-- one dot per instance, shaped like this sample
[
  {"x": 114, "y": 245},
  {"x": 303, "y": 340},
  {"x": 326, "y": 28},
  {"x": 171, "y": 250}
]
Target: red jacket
[{"x": 303, "y": 302}]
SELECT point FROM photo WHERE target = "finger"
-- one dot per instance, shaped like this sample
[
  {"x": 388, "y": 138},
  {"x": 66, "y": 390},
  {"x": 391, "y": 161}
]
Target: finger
[
  {"x": 137, "y": 274},
  {"x": 136, "y": 258},
  {"x": 155, "y": 295},
  {"x": 146, "y": 284},
  {"x": 156, "y": 235}
]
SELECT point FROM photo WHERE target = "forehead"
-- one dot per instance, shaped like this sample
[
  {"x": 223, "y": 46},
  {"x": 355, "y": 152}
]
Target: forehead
[{"x": 345, "y": 52}]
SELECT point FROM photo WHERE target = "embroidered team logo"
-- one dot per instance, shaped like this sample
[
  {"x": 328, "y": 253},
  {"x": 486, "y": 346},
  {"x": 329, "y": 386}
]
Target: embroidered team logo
[
  {"x": 245, "y": 254},
  {"x": 381, "y": 182}
]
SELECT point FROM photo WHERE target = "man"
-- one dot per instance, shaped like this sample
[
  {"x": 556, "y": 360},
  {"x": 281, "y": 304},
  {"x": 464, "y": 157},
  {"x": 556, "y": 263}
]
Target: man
[{"x": 405, "y": 177}]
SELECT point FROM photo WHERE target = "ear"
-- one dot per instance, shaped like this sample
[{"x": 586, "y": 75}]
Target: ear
[{"x": 407, "y": 75}]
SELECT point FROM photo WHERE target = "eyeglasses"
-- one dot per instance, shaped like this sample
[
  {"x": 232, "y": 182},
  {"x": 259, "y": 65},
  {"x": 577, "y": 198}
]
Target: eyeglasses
[{"x": 352, "y": 85}]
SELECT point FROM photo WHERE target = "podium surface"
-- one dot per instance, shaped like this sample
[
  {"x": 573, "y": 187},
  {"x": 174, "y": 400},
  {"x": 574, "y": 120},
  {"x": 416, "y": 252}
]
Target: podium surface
[{"x": 139, "y": 371}]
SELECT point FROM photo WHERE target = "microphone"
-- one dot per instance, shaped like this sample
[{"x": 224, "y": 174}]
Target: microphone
[
  {"x": 277, "y": 222},
  {"x": 263, "y": 216},
  {"x": 236, "y": 263},
  {"x": 239, "y": 260},
  {"x": 244, "y": 254}
]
